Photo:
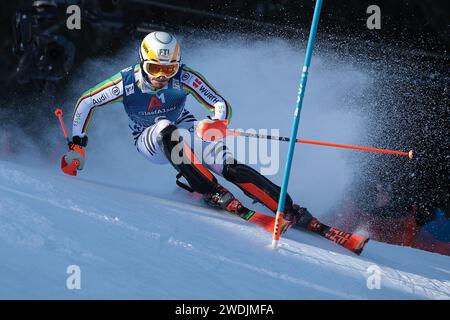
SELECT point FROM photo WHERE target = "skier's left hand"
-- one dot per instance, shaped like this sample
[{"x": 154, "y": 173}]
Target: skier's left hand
[
  {"x": 212, "y": 129},
  {"x": 74, "y": 159}
]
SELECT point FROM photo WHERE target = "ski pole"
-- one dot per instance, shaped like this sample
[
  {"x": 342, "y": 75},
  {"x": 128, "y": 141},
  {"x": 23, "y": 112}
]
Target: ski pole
[
  {"x": 409, "y": 154},
  {"x": 67, "y": 168},
  {"x": 294, "y": 130}
]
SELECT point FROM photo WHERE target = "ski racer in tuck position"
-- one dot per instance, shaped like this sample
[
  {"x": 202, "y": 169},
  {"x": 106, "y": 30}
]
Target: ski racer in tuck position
[{"x": 153, "y": 93}]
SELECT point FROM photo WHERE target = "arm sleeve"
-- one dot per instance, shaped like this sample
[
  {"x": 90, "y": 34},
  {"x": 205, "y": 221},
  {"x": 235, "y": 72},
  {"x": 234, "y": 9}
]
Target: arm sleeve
[
  {"x": 103, "y": 94},
  {"x": 195, "y": 84}
]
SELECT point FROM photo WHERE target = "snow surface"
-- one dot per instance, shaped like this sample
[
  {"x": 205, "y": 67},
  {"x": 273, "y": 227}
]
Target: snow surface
[
  {"x": 135, "y": 235},
  {"x": 132, "y": 245}
]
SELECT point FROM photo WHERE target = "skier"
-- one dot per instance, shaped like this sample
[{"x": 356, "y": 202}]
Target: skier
[{"x": 153, "y": 93}]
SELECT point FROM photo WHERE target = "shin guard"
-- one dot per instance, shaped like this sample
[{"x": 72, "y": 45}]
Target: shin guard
[
  {"x": 183, "y": 159},
  {"x": 255, "y": 185}
]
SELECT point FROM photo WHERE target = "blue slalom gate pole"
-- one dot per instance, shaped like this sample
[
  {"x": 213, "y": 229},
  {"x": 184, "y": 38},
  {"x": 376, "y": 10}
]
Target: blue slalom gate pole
[{"x": 298, "y": 109}]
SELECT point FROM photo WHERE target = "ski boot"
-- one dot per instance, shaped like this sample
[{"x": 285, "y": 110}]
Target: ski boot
[
  {"x": 223, "y": 199},
  {"x": 301, "y": 218}
]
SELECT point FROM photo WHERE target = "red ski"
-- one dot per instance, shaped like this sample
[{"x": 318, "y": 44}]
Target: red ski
[{"x": 351, "y": 241}]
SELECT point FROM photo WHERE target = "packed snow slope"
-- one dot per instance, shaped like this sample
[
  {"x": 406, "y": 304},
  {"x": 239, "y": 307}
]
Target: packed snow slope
[
  {"x": 132, "y": 245},
  {"x": 135, "y": 235}
]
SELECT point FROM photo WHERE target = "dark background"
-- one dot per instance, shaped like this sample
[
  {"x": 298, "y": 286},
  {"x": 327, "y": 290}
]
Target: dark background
[
  {"x": 39, "y": 56},
  {"x": 420, "y": 27}
]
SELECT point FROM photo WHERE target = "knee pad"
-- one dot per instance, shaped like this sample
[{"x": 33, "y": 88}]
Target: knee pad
[
  {"x": 255, "y": 185},
  {"x": 183, "y": 159}
]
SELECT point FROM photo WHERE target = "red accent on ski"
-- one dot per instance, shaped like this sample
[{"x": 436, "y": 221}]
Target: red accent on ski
[
  {"x": 353, "y": 242},
  {"x": 268, "y": 222},
  {"x": 350, "y": 241},
  {"x": 234, "y": 206},
  {"x": 262, "y": 220},
  {"x": 356, "y": 243}
]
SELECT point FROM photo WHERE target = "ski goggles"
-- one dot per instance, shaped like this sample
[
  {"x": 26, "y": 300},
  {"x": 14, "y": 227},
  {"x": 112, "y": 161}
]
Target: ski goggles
[{"x": 157, "y": 70}]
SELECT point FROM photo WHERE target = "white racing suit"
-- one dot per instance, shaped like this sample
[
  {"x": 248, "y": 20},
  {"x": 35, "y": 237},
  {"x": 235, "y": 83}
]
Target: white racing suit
[
  {"x": 150, "y": 111},
  {"x": 156, "y": 114}
]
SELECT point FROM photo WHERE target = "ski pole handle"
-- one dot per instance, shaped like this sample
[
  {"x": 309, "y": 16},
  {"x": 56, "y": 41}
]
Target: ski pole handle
[{"x": 59, "y": 114}]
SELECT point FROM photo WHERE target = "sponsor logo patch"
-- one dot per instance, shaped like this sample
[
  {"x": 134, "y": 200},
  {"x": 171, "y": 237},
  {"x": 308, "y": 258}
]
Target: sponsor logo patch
[
  {"x": 115, "y": 91},
  {"x": 197, "y": 83},
  {"x": 154, "y": 103},
  {"x": 77, "y": 118},
  {"x": 156, "y": 111},
  {"x": 129, "y": 89},
  {"x": 99, "y": 100},
  {"x": 164, "y": 53},
  {"x": 208, "y": 94},
  {"x": 186, "y": 77}
]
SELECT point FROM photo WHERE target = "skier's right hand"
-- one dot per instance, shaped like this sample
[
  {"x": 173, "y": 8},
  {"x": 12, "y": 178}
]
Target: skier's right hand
[
  {"x": 212, "y": 129},
  {"x": 74, "y": 158}
]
